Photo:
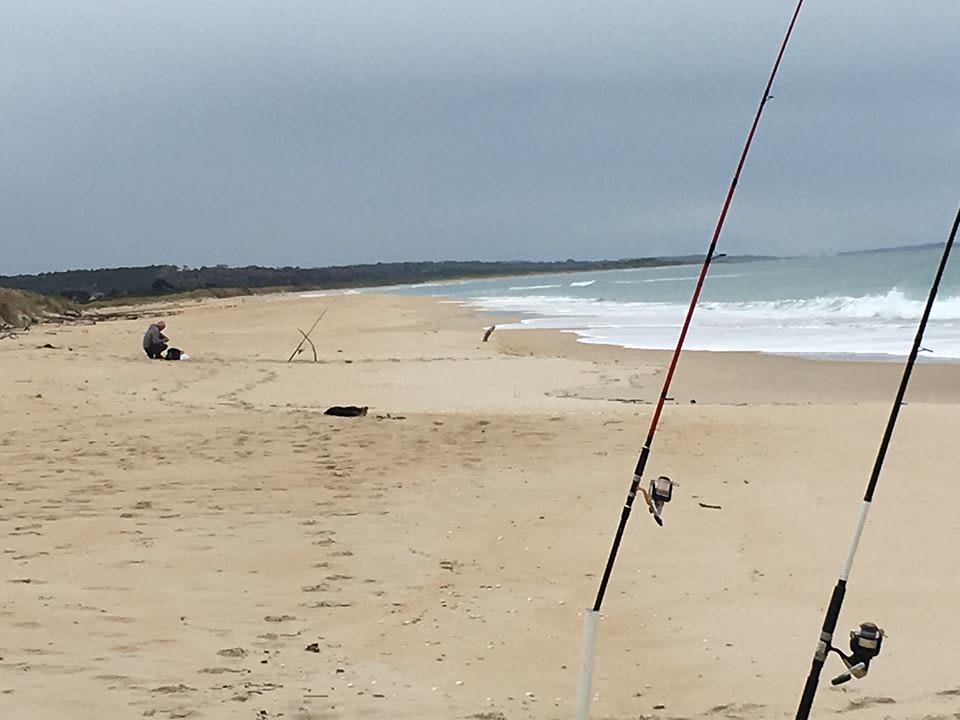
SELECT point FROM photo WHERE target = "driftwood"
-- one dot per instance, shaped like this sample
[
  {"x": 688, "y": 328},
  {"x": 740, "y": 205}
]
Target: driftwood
[
  {"x": 489, "y": 332},
  {"x": 100, "y": 315},
  {"x": 64, "y": 316},
  {"x": 306, "y": 337},
  {"x": 68, "y": 317},
  {"x": 10, "y": 331}
]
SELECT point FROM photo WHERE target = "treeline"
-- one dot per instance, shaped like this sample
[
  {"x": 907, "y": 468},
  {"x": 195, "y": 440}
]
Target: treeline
[{"x": 86, "y": 285}]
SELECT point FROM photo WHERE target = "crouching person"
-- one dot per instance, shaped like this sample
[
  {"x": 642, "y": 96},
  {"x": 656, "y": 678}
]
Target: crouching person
[{"x": 154, "y": 341}]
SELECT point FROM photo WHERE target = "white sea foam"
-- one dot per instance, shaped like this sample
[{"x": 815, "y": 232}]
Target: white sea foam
[
  {"x": 871, "y": 324},
  {"x": 678, "y": 278},
  {"x": 582, "y": 283},
  {"x": 654, "y": 280},
  {"x": 534, "y": 287},
  {"x": 320, "y": 294}
]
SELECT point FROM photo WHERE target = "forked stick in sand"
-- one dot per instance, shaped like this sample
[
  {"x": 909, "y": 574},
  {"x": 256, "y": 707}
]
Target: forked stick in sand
[
  {"x": 312, "y": 346},
  {"x": 306, "y": 337}
]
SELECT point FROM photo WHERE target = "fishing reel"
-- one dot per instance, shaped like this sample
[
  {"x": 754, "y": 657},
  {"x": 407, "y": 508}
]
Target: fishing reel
[
  {"x": 865, "y": 644},
  {"x": 659, "y": 492}
]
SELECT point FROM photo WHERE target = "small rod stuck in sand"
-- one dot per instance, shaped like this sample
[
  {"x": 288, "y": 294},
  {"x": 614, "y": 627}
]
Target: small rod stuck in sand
[
  {"x": 865, "y": 642},
  {"x": 660, "y": 490}
]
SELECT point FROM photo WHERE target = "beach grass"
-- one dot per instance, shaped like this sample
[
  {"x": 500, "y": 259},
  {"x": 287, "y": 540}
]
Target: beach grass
[{"x": 20, "y": 308}]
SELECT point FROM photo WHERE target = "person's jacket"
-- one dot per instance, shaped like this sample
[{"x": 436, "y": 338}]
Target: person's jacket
[{"x": 153, "y": 336}]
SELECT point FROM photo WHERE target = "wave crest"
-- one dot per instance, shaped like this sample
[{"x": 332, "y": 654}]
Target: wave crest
[{"x": 894, "y": 306}]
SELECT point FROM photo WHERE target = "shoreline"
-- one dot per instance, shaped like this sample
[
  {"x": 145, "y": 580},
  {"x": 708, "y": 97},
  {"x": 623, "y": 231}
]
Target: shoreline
[{"x": 771, "y": 311}]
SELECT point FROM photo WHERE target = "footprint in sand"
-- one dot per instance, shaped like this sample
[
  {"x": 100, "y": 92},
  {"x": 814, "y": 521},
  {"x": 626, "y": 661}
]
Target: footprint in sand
[
  {"x": 736, "y": 711},
  {"x": 173, "y": 689},
  {"x": 325, "y": 604},
  {"x": 220, "y": 670},
  {"x": 236, "y": 652},
  {"x": 866, "y": 702}
]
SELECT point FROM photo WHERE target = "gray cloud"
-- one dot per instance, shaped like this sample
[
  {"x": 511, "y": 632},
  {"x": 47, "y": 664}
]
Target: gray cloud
[{"x": 315, "y": 133}]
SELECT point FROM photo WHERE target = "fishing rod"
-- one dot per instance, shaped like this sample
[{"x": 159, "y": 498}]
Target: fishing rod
[
  {"x": 865, "y": 642},
  {"x": 660, "y": 490}
]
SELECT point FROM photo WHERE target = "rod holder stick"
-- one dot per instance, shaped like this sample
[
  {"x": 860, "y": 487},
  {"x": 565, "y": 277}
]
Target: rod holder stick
[{"x": 588, "y": 654}]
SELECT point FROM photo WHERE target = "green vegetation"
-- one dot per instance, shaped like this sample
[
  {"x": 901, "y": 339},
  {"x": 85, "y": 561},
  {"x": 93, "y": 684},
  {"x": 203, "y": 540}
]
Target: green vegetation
[
  {"x": 117, "y": 300},
  {"x": 20, "y": 308}
]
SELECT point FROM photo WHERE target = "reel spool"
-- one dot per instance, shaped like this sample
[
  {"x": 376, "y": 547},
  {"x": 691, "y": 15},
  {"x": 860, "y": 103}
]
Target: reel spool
[{"x": 659, "y": 492}]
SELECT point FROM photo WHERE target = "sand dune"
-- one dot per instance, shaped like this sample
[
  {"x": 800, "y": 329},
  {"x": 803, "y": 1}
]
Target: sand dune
[{"x": 197, "y": 539}]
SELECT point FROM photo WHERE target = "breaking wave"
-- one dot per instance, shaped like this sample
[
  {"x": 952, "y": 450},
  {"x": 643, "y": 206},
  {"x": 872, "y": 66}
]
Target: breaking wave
[{"x": 871, "y": 324}]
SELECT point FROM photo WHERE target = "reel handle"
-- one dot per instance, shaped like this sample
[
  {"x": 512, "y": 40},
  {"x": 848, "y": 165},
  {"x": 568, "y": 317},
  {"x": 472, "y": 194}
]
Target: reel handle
[
  {"x": 854, "y": 671},
  {"x": 841, "y": 679},
  {"x": 651, "y": 506}
]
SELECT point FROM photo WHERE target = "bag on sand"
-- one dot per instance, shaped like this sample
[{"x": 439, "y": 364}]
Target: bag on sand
[{"x": 346, "y": 411}]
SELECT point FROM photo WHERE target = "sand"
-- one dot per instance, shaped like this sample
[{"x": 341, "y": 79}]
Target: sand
[{"x": 176, "y": 535}]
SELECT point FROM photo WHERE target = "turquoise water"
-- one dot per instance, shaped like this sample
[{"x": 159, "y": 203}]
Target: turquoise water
[{"x": 856, "y": 304}]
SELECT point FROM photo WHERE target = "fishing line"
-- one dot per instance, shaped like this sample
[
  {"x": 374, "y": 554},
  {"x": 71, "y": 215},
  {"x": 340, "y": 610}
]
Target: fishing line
[{"x": 866, "y": 641}]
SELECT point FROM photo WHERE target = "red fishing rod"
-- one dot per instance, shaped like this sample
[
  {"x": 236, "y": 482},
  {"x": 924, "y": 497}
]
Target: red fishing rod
[
  {"x": 661, "y": 489},
  {"x": 660, "y": 493}
]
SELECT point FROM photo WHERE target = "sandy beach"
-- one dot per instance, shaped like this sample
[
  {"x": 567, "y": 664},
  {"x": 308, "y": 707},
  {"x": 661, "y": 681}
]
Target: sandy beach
[{"x": 197, "y": 540}]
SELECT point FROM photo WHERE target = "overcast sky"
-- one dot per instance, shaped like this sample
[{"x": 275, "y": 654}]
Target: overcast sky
[{"x": 317, "y": 133}]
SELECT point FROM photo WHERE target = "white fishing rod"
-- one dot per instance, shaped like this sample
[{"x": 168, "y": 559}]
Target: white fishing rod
[{"x": 865, "y": 642}]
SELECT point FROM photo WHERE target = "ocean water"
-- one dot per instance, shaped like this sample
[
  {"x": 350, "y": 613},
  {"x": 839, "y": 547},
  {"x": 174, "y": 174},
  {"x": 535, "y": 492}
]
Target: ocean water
[{"x": 862, "y": 304}]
